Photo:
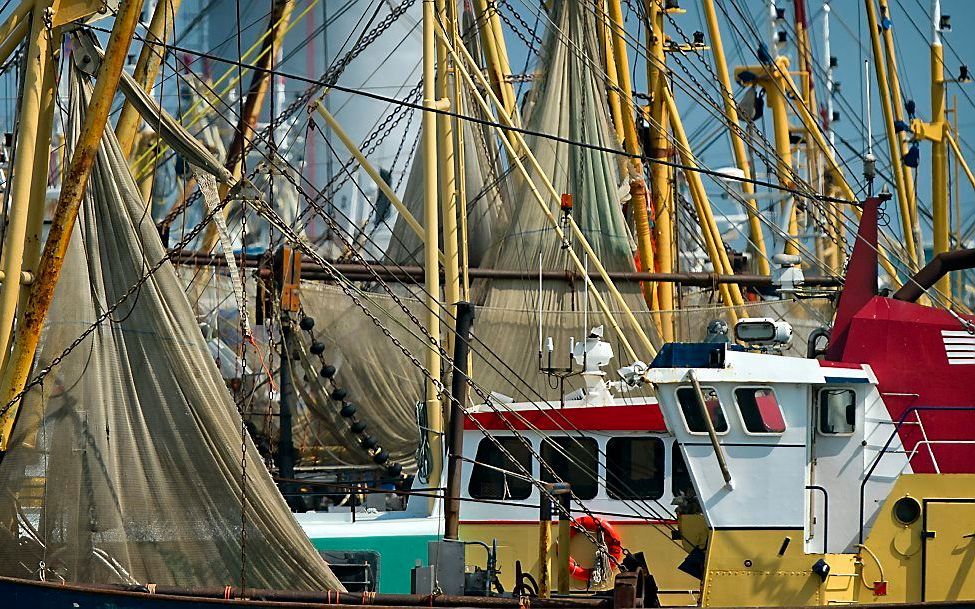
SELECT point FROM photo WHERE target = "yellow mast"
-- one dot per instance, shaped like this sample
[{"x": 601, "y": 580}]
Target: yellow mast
[
  {"x": 431, "y": 210},
  {"x": 893, "y": 142},
  {"x": 496, "y": 55},
  {"x": 16, "y": 370},
  {"x": 756, "y": 235},
  {"x": 638, "y": 188},
  {"x": 448, "y": 133},
  {"x": 709, "y": 228},
  {"x": 660, "y": 174},
  {"x": 15, "y": 235},
  {"x": 612, "y": 79},
  {"x": 935, "y": 132},
  {"x": 898, "y": 107},
  {"x": 146, "y": 69}
]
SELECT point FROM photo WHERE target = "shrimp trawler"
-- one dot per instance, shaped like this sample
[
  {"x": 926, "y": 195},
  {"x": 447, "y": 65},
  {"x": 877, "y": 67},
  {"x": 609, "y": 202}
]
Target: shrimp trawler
[{"x": 840, "y": 477}]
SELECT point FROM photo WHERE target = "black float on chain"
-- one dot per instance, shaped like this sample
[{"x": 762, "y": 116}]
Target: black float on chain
[{"x": 348, "y": 410}]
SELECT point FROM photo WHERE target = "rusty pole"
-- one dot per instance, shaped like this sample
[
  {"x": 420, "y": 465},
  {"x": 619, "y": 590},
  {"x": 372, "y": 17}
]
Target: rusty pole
[{"x": 73, "y": 187}]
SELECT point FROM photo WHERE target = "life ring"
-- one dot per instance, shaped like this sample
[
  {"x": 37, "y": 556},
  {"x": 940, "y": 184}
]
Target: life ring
[{"x": 614, "y": 545}]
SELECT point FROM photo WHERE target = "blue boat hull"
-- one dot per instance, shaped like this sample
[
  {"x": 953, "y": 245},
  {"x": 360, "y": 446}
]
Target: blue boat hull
[{"x": 23, "y": 594}]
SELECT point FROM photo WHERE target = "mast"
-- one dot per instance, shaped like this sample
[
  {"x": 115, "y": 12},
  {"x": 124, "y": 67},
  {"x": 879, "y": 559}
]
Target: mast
[
  {"x": 449, "y": 149},
  {"x": 458, "y": 404},
  {"x": 939, "y": 146},
  {"x": 28, "y": 133},
  {"x": 898, "y": 106},
  {"x": 496, "y": 55},
  {"x": 146, "y": 69},
  {"x": 709, "y": 228},
  {"x": 72, "y": 188},
  {"x": 638, "y": 188},
  {"x": 834, "y": 220},
  {"x": 660, "y": 174},
  {"x": 893, "y": 141},
  {"x": 431, "y": 238},
  {"x": 756, "y": 236}
]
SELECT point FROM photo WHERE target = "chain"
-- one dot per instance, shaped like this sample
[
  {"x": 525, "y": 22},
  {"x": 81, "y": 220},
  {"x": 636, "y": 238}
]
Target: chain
[
  {"x": 535, "y": 39},
  {"x": 395, "y": 118}
]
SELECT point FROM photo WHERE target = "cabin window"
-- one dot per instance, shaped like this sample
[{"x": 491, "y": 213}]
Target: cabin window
[
  {"x": 635, "y": 468},
  {"x": 692, "y": 410},
  {"x": 680, "y": 478},
  {"x": 496, "y": 475},
  {"x": 760, "y": 411},
  {"x": 837, "y": 411},
  {"x": 573, "y": 460}
]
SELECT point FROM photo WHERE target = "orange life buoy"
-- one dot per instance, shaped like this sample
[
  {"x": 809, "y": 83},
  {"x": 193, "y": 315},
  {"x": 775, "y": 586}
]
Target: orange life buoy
[{"x": 614, "y": 545}]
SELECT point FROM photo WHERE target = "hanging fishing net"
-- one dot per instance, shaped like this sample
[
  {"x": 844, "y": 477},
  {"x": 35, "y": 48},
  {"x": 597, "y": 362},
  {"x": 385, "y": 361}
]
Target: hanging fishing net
[
  {"x": 128, "y": 462},
  {"x": 568, "y": 100}
]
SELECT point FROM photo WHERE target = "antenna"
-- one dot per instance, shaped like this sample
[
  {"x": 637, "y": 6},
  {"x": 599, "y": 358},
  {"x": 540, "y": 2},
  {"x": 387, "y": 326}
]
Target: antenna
[
  {"x": 585, "y": 294},
  {"x": 830, "y": 64},
  {"x": 539, "y": 308},
  {"x": 869, "y": 161}
]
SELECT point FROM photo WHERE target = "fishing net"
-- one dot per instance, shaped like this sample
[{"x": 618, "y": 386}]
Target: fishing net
[
  {"x": 568, "y": 101},
  {"x": 128, "y": 462}
]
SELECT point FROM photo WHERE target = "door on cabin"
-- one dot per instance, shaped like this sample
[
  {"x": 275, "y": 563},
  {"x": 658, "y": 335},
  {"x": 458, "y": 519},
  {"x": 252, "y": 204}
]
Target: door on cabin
[{"x": 949, "y": 550}]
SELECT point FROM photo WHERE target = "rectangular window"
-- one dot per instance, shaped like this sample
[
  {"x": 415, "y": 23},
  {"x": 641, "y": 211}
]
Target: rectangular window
[
  {"x": 837, "y": 411},
  {"x": 574, "y": 460},
  {"x": 692, "y": 410},
  {"x": 635, "y": 468},
  {"x": 495, "y": 475},
  {"x": 680, "y": 478},
  {"x": 760, "y": 411}
]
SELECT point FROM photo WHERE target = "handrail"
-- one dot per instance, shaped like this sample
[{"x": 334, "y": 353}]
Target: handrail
[
  {"x": 883, "y": 451},
  {"x": 816, "y": 487},
  {"x": 718, "y": 451}
]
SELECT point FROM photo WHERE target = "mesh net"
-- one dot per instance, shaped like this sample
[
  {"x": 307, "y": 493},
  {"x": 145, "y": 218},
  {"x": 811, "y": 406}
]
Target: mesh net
[{"x": 128, "y": 462}]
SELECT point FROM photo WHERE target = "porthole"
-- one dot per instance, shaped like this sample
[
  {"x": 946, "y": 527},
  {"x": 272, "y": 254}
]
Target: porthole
[{"x": 907, "y": 510}]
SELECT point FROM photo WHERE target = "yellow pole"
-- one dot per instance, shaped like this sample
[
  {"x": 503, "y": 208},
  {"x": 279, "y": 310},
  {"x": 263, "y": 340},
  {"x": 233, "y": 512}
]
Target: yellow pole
[
  {"x": 447, "y": 169},
  {"x": 775, "y": 99},
  {"x": 41, "y": 169},
  {"x": 495, "y": 54},
  {"x": 939, "y": 157},
  {"x": 893, "y": 142},
  {"x": 898, "y": 107},
  {"x": 660, "y": 180},
  {"x": 17, "y": 20},
  {"x": 13, "y": 40},
  {"x": 660, "y": 174},
  {"x": 369, "y": 168},
  {"x": 577, "y": 234},
  {"x": 72, "y": 188},
  {"x": 146, "y": 69},
  {"x": 23, "y": 172},
  {"x": 709, "y": 228},
  {"x": 431, "y": 238},
  {"x": 612, "y": 78},
  {"x": 755, "y": 233},
  {"x": 638, "y": 188}
]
